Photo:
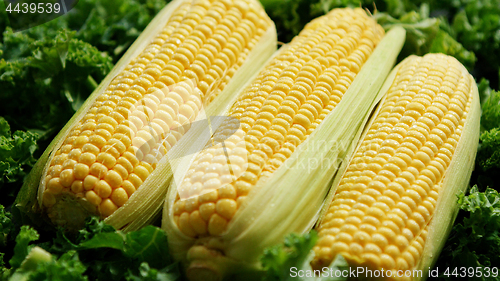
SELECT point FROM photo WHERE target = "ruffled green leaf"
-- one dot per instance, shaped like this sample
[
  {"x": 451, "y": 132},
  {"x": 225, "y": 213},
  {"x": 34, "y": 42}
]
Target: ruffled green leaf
[
  {"x": 16, "y": 155},
  {"x": 278, "y": 260},
  {"x": 475, "y": 242}
]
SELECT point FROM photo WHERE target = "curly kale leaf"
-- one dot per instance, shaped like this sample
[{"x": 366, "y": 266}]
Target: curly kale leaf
[
  {"x": 41, "y": 90},
  {"x": 113, "y": 255},
  {"x": 488, "y": 154},
  {"x": 477, "y": 27},
  {"x": 67, "y": 267},
  {"x": 23, "y": 247},
  {"x": 31, "y": 262},
  {"x": 427, "y": 35},
  {"x": 290, "y": 16},
  {"x": 491, "y": 107},
  {"x": 6, "y": 233},
  {"x": 488, "y": 159},
  {"x": 278, "y": 260},
  {"x": 16, "y": 156},
  {"x": 475, "y": 242},
  {"x": 444, "y": 43},
  {"x": 113, "y": 25}
]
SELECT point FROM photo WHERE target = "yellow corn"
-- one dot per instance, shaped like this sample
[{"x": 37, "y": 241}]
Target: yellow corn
[
  {"x": 209, "y": 215},
  {"x": 280, "y": 109},
  {"x": 393, "y": 206},
  {"x": 109, "y": 153}
]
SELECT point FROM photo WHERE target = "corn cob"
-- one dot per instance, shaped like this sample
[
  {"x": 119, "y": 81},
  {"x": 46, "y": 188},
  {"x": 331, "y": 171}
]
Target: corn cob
[
  {"x": 275, "y": 119},
  {"x": 395, "y": 204},
  {"x": 279, "y": 111},
  {"x": 193, "y": 51}
]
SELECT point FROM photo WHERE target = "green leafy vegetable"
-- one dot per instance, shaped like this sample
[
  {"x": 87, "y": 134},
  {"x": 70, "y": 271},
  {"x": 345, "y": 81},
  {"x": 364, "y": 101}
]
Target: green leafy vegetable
[
  {"x": 6, "y": 232},
  {"x": 113, "y": 255},
  {"x": 39, "y": 265},
  {"x": 16, "y": 157},
  {"x": 22, "y": 248},
  {"x": 290, "y": 16},
  {"x": 489, "y": 153},
  {"x": 444, "y": 43},
  {"x": 147, "y": 273},
  {"x": 148, "y": 244},
  {"x": 46, "y": 73},
  {"x": 97, "y": 252},
  {"x": 475, "y": 242},
  {"x": 92, "y": 228},
  {"x": 278, "y": 260},
  {"x": 112, "y": 25},
  {"x": 420, "y": 30},
  {"x": 488, "y": 159},
  {"x": 491, "y": 109},
  {"x": 477, "y": 27},
  {"x": 6, "y": 227},
  {"x": 425, "y": 35},
  {"x": 484, "y": 90},
  {"x": 59, "y": 69},
  {"x": 67, "y": 267}
]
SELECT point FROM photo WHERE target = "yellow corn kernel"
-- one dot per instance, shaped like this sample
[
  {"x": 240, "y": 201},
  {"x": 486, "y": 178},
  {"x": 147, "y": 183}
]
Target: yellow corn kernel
[
  {"x": 276, "y": 114},
  {"x": 111, "y": 151},
  {"x": 380, "y": 214}
]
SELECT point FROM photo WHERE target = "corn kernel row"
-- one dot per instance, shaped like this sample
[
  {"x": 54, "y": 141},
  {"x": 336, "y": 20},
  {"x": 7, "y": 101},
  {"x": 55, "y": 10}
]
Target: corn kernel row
[
  {"x": 388, "y": 195},
  {"x": 276, "y": 113},
  {"x": 147, "y": 108}
]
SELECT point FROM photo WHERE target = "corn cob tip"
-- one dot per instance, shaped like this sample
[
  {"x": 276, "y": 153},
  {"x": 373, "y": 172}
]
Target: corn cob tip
[
  {"x": 203, "y": 272},
  {"x": 205, "y": 264},
  {"x": 208, "y": 262},
  {"x": 70, "y": 212}
]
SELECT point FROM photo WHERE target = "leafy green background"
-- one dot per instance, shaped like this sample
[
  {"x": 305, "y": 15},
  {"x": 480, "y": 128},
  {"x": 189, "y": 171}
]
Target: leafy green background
[{"x": 47, "y": 72}]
